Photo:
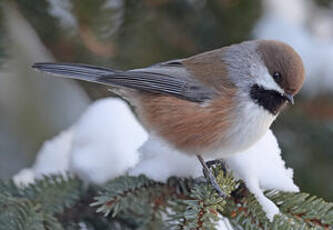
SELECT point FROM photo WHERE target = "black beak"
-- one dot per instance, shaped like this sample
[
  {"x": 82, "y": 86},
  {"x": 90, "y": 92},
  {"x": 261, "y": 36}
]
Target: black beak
[{"x": 289, "y": 98}]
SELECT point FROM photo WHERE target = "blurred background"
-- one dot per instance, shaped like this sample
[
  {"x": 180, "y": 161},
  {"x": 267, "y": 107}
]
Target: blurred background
[{"x": 125, "y": 34}]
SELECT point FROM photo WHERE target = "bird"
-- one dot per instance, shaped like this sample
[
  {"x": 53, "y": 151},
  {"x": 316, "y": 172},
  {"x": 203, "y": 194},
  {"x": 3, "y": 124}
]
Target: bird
[{"x": 213, "y": 104}]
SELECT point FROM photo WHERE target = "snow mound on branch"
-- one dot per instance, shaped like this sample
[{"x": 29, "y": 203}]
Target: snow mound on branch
[{"x": 104, "y": 144}]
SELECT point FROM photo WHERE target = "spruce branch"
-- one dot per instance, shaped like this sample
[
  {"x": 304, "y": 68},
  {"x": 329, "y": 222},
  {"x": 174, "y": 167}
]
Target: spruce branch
[
  {"x": 124, "y": 192},
  {"x": 57, "y": 202},
  {"x": 21, "y": 214},
  {"x": 201, "y": 208},
  {"x": 54, "y": 192},
  {"x": 298, "y": 211},
  {"x": 141, "y": 198},
  {"x": 179, "y": 203},
  {"x": 34, "y": 206},
  {"x": 196, "y": 212},
  {"x": 310, "y": 210},
  {"x": 9, "y": 187}
]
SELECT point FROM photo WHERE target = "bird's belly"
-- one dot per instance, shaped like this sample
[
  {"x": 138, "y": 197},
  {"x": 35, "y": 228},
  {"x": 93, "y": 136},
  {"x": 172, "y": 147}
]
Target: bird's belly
[{"x": 249, "y": 126}]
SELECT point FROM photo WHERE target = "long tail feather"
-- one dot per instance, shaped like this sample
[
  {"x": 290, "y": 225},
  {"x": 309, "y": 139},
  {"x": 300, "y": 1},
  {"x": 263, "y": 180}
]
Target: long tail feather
[{"x": 75, "y": 71}]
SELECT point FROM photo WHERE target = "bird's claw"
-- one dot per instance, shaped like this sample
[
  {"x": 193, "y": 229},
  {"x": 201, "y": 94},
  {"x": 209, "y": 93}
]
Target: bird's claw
[
  {"x": 217, "y": 162},
  {"x": 211, "y": 178}
]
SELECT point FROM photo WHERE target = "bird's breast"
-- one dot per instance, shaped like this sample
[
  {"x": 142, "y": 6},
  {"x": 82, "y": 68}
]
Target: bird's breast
[
  {"x": 250, "y": 124},
  {"x": 190, "y": 127}
]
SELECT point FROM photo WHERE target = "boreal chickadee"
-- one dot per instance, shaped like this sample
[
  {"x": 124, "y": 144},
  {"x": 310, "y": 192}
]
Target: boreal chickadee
[{"x": 215, "y": 103}]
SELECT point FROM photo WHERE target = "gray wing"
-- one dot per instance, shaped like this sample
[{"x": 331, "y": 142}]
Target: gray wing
[{"x": 166, "y": 78}]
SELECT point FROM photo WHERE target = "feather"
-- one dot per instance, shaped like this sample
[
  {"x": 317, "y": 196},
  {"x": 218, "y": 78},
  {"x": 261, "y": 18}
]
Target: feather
[{"x": 155, "y": 79}]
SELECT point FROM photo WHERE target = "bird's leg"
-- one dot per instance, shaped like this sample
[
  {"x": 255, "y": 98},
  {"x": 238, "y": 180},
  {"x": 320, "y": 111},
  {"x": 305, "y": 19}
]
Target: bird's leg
[
  {"x": 217, "y": 162},
  {"x": 209, "y": 176}
]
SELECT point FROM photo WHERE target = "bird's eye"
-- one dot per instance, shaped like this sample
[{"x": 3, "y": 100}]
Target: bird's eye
[{"x": 277, "y": 76}]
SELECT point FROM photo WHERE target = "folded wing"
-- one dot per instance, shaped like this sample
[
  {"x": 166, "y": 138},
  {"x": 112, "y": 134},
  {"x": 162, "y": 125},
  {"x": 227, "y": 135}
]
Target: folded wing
[{"x": 166, "y": 78}]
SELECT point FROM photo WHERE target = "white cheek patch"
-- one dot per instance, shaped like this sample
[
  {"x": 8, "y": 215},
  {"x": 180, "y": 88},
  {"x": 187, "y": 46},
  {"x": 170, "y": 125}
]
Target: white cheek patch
[{"x": 265, "y": 80}]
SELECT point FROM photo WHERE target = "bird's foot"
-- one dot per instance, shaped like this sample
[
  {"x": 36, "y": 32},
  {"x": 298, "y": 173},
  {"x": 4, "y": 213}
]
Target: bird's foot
[
  {"x": 210, "y": 177},
  {"x": 219, "y": 162}
]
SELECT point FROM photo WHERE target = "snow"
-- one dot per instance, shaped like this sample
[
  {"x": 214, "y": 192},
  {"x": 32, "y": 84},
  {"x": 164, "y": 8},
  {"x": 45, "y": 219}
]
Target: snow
[
  {"x": 263, "y": 161},
  {"x": 261, "y": 168},
  {"x": 289, "y": 21},
  {"x": 104, "y": 143},
  {"x": 223, "y": 224},
  {"x": 24, "y": 177},
  {"x": 159, "y": 161},
  {"x": 56, "y": 151},
  {"x": 52, "y": 158},
  {"x": 101, "y": 145}
]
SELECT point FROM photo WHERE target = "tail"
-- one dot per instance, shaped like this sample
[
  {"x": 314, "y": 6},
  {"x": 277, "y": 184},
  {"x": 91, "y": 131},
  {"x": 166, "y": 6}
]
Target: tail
[{"x": 76, "y": 71}]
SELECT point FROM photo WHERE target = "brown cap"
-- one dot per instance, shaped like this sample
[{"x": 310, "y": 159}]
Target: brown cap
[{"x": 283, "y": 59}]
